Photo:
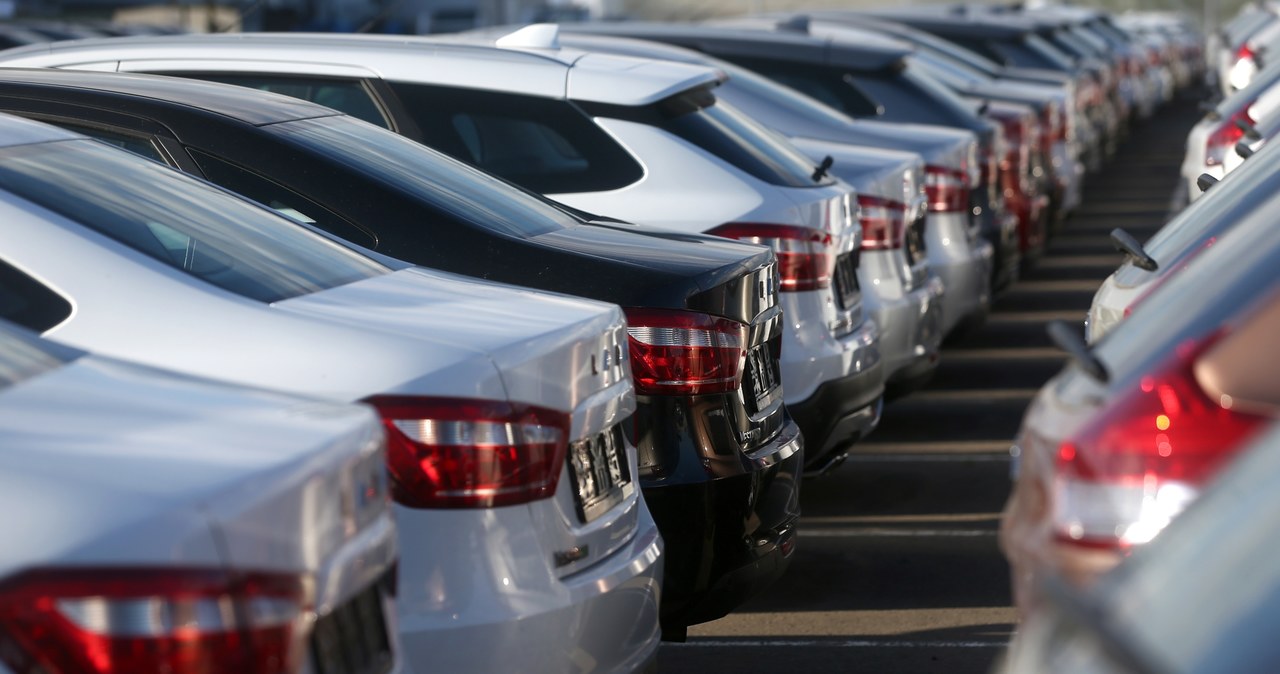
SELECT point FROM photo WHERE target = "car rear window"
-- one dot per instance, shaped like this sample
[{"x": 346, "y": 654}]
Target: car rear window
[
  {"x": 416, "y": 169},
  {"x": 910, "y": 97},
  {"x": 827, "y": 85},
  {"x": 546, "y": 145},
  {"x": 182, "y": 222}
]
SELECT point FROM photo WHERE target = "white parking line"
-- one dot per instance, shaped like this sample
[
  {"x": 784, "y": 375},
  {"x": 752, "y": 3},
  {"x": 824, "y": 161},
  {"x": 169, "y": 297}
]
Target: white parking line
[
  {"x": 929, "y": 458},
  {"x": 877, "y": 532},
  {"x": 850, "y": 643}
]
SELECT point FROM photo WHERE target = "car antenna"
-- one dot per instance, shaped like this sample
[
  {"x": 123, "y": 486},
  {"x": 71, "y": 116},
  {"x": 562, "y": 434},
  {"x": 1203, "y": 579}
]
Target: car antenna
[
  {"x": 1125, "y": 243},
  {"x": 1068, "y": 339},
  {"x": 823, "y": 167}
]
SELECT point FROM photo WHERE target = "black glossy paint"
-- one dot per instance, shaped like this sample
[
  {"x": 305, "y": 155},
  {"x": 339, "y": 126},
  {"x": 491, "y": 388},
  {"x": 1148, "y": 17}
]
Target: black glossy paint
[{"x": 717, "y": 473}]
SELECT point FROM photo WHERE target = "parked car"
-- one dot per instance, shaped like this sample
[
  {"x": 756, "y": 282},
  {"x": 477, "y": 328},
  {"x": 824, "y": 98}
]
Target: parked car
[
  {"x": 1195, "y": 601},
  {"x": 1194, "y": 230},
  {"x": 703, "y": 318},
  {"x": 1211, "y": 143},
  {"x": 650, "y": 133},
  {"x": 897, "y": 290},
  {"x": 881, "y": 87},
  {"x": 164, "y": 523},
  {"x": 522, "y": 529},
  {"x": 1114, "y": 447}
]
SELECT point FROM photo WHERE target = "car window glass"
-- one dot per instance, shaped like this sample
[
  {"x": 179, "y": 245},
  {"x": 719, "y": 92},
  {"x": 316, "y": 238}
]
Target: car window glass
[
  {"x": 27, "y": 302},
  {"x": 185, "y": 223},
  {"x": 456, "y": 188},
  {"x": 725, "y": 132},
  {"x": 124, "y": 141},
  {"x": 1048, "y": 52},
  {"x": 911, "y": 97},
  {"x": 23, "y": 357},
  {"x": 349, "y": 96},
  {"x": 829, "y": 86},
  {"x": 746, "y": 89},
  {"x": 279, "y": 198},
  {"x": 546, "y": 145}
]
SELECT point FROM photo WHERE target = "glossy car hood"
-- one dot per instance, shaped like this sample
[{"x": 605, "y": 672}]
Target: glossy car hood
[
  {"x": 112, "y": 463},
  {"x": 551, "y": 350}
]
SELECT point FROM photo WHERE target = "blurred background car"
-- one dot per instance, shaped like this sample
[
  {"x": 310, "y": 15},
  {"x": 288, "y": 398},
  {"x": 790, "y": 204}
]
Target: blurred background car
[
  {"x": 1113, "y": 448},
  {"x": 166, "y": 523}
]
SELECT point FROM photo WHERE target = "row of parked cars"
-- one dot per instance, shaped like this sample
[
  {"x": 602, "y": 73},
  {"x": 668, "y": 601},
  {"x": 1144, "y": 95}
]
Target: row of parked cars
[
  {"x": 577, "y": 307},
  {"x": 1143, "y": 506}
]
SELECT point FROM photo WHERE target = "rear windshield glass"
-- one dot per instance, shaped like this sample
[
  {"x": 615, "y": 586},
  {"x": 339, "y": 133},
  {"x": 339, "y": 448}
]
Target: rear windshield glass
[
  {"x": 546, "y": 145},
  {"x": 415, "y": 169},
  {"x": 827, "y": 85},
  {"x": 23, "y": 357},
  {"x": 908, "y": 96},
  {"x": 185, "y": 223},
  {"x": 750, "y": 92},
  {"x": 728, "y": 134}
]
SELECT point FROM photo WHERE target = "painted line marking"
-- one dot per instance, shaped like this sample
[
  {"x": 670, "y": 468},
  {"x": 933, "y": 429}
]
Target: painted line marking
[
  {"x": 881, "y": 532},
  {"x": 847, "y": 643}
]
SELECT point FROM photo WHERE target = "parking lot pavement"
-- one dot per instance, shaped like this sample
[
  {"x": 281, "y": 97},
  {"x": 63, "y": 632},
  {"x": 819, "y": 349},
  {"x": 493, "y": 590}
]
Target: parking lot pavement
[{"x": 898, "y": 568}]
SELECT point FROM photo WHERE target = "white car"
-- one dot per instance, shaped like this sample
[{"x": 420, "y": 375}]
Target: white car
[
  {"x": 160, "y": 523},
  {"x": 1212, "y": 141},
  {"x": 639, "y": 140},
  {"x": 496, "y": 428}
]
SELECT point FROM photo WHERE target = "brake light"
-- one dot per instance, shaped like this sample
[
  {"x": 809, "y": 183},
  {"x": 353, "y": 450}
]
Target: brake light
[
  {"x": 946, "y": 189},
  {"x": 1143, "y": 458},
  {"x": 806, "y": 256},
  {"x": 124, "y": 620},
  {"x": 1224, "y": 138},
  {"x": 884, "y": 222},
  {"x": 466, "y": 453},
  {"x": 685, "y": 352}
]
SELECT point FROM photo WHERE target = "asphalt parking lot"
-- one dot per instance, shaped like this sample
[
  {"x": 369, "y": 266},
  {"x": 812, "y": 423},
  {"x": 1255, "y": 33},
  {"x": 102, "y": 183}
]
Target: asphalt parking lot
[{"x": 898, "y": 569}]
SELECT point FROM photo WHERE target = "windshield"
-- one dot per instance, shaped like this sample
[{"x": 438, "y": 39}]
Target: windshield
[
  {"x": 453, "y": 186},
  {"x": 184, "y": 223}
]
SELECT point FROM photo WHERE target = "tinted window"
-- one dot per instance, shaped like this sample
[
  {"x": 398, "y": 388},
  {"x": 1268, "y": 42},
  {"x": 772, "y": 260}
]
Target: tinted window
[
  {"x": 185, "y": 223},
  {"x": 759, "y": 95},
  {"x": 23, "y": 357},
  {"x": 123, "y": 141},
  {"x": 1049, "y": 53},
  {"x": 349, "y": 96},
  {"x": 831, "y": 87},
  {"x": 908, "y": 96},
  {"x": 279, "y": 198},
  {"x": 27, "y": 302},
  {"x": 402, "y": 164},
  {"x": 728, "y": 134},
  {"x": 546, "y": 145}
]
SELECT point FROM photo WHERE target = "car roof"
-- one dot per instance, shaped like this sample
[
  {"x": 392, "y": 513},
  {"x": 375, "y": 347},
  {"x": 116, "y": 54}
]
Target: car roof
[
  {"x": 16, "y": 131},
  {"x": 250, "y": 106},
  {"x": 745, "y": 42},
  {"x": 534, "y": 66},
  {"x": 957, "y": 20}
]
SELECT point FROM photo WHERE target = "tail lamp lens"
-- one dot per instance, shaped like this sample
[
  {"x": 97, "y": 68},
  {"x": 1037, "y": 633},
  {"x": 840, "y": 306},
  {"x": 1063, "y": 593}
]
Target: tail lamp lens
[
  {"x": 806, "y": 256},
  {"x": 117, "y": 620},
  {"x": 1224, "y": 138},
  {"x": 1137, "y": 464},
  {"x": 947, "y": 189},
  {"x": 883, "y": 222},
  {"x": 465, "y": 453},
  {"x": 684, "y": 352}
]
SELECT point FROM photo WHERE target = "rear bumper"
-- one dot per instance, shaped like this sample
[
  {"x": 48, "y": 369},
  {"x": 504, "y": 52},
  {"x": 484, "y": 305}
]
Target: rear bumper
[
  {"x": 838, "y": 414},
  {"x": 464, "y": 619},
  {"x": 964, "y": 267},
  {"x": 727, "y": 537}
]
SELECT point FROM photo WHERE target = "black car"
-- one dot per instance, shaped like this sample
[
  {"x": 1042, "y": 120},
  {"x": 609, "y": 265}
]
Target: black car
[{"x": 720, "y": 458}]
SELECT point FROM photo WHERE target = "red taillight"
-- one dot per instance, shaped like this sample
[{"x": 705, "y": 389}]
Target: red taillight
[
  {"x": 947, "y": 189},
  {"x": 1142, "y": 459},
  {"x": 684, "y": 352},
  {"x": 806, "y": 256},
  {"x": 118, "y": 620},
  {"x": 1245, "y": 53},
  {"x": 465, "y": 453},
  {"x": 884, "y": 222},
  {"x": 1224, "y": 138}
]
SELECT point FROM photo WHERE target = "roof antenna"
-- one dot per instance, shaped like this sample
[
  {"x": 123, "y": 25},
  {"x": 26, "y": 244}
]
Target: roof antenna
[{"x": 536, "y": 36}]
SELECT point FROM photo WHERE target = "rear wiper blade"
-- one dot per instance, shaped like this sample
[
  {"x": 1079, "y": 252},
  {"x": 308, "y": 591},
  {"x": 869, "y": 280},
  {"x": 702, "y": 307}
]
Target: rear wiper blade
[{"x": 1068, "y": 339}]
